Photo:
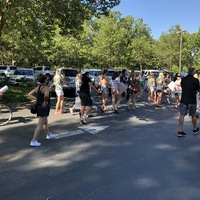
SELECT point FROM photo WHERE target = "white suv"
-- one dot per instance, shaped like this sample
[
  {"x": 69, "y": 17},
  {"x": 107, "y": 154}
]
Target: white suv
[
  {"x": 22, "y": 76},
  {"x": 46, "y": 70},
  {"x": 6, "y": 70}
]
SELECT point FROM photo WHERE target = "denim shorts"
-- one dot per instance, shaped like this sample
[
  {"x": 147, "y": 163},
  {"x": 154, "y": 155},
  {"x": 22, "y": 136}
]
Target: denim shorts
[
  {"x": 104, "y": 90},
  {"x": 178, "y": 94},
  {"x": 152, "y": 89},
  {"x": 185, "y": 108}
]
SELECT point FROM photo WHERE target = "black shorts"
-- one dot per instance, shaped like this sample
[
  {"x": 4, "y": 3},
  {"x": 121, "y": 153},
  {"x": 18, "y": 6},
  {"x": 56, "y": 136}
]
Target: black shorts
[
  {"x": 43, "y": 111},
  {"x": 85, "y": 99}
]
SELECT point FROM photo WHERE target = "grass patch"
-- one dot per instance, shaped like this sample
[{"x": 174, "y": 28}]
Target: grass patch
[{"x": 16, "y": 94}]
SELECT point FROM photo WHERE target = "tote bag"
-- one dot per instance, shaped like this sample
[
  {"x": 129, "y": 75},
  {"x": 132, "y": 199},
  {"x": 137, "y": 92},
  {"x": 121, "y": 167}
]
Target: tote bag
[{"x": 171, "y": 86}]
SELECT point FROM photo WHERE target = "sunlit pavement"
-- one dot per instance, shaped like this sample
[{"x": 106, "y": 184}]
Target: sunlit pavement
[{"x": 134, "y": 155}]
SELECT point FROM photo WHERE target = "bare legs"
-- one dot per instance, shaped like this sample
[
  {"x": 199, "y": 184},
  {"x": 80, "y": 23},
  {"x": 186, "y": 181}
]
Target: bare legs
[
  {"x": 181, "y": 121},
  {"x": 42, "y": 123},
  {"x": 159, "y": 98},
  {"x": 104, "y": 100},
  {"x": 59, "y": 105},
  {"x": 131, "y": 101},
  {"x": 85, "y": 111},
  {"x": 115, "y": 105}
]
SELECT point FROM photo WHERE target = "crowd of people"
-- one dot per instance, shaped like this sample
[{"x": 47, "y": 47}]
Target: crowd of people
[{"x": 160, "y": 89}]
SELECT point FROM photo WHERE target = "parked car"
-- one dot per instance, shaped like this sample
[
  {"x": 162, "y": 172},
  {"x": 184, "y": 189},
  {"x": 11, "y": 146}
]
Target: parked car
[
  {"x": 22, "y": 76},
  {"x": 94, "y": 76},
  {"x": 70, "y": 75},
  {"x": 6, "y": 70},
  {"x": 46, "y": 70}
]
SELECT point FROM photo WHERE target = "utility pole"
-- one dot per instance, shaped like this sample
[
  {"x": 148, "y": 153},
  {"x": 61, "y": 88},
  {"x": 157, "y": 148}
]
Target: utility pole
[{"x": 181, "y": 44}]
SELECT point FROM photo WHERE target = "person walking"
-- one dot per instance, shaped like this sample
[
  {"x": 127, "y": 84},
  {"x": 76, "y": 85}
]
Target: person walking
[
  {"x": 151, "y": 88},
  {"x": 132, "y": 90},
  {"x": 124, "y": 79},
  {"x": 43, "y": 109},
  {"x": 197, "y": 75},
  {"x": 59, "y": 81},
  {"x": 190, "y": 87},
  {"x": 115, "y": 91},
  {"x": 104, "y": 83},
  {"x": 160, "y": 82},
  {"x": 78, "y": 85},
  {"x": 86, "y": 100},
  {"x": 178, "y": 90},
  {"x": 166, "y": 90}
]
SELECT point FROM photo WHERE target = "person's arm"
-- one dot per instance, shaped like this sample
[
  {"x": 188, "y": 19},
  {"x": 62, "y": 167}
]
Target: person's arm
[
  {"x": 32, "y": 93},
  {"x": 63, "y": 79},
  {"x": 92, "y": 86}
]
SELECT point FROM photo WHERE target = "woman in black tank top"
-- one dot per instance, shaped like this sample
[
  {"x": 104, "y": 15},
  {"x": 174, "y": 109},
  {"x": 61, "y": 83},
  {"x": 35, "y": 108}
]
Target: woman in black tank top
[{"x": 43, "y": 109}]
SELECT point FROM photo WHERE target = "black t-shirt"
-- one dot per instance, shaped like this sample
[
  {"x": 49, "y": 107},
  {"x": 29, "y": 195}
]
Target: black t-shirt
[
  {"x": 190, "y": 87},
  {"x": 85, "y": 86}
]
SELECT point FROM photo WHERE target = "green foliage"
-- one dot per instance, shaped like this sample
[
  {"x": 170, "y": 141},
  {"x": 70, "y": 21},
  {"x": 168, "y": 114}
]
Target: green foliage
[
  {"x": 16, "y": 94},
  {"x": 44, "y": 34}
]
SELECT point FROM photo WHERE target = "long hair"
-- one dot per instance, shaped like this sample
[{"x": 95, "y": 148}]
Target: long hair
[
  {"x": 115, "y": 75},
  {"x": 42, "y": 78}
]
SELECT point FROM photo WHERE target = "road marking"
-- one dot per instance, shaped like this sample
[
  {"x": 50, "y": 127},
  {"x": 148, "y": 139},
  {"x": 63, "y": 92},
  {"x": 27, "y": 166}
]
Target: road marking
[
  {"x": 93, "y": 129},
  {"x": 90, "y": 129},
  {"x": 68, "y": 134}
]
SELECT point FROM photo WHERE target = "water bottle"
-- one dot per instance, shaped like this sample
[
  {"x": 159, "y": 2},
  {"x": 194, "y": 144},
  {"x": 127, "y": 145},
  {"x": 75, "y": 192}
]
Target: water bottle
[{"x": 3, "y": 89}]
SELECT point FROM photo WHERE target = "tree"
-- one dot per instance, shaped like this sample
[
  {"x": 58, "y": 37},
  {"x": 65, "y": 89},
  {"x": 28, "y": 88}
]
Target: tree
[
  {"x": 141, "y": 48},
  {"x": 66, "y": 14}
]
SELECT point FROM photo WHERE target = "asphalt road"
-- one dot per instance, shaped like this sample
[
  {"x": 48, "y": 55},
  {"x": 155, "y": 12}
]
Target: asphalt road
[{"x": 134, "y": 155}]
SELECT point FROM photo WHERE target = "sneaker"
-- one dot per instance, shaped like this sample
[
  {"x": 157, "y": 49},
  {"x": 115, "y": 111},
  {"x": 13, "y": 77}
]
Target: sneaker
[
  {"x": 71, "y": 110},
  {"x": 195, "y": 132},
  {"x": 51, "y": 136},
  {"x": 83, "y": 121},
  {"x": 35, "y": 143},
  {"x": 90, "y": 115},
  {"x": 181, "y": 134}
]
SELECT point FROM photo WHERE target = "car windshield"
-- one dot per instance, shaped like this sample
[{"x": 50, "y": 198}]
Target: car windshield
[
  {"x": 24, "y": 72},
  {"x": 110, "y": 73},
  {"x": 94, "y": 73},
  {"x": 12, "y": 68},
  {"x": 70, "y": 72}
]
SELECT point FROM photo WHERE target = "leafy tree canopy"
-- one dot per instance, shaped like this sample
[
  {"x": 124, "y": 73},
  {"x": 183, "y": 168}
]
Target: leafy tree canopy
[{"x": 45, "y": 14}]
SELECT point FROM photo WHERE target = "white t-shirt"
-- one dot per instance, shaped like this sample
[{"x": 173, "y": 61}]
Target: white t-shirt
[{"x": 115, "y": 83}]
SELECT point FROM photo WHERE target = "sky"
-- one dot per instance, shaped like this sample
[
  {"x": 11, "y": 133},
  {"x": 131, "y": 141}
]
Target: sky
[{"x": 161, "y": 15}]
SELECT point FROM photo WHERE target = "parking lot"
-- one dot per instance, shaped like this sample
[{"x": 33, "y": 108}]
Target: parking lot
[{"x": 133, "y": 155}]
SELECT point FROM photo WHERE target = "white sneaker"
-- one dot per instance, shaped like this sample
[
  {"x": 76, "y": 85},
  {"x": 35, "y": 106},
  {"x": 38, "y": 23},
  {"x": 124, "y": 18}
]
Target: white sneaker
[
  {"x": 51, "y": 136},
  {"x": 35, "y": 143}
]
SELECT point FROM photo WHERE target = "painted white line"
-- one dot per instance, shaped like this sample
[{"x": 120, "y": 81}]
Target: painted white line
[
  {"x": 68, "y": 134},
  {"x": 93, "y": 129}
]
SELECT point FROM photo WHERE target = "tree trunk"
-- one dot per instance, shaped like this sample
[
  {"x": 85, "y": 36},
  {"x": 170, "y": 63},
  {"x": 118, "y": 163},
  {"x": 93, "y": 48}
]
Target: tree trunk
[{"x": 2, "y": 22}]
